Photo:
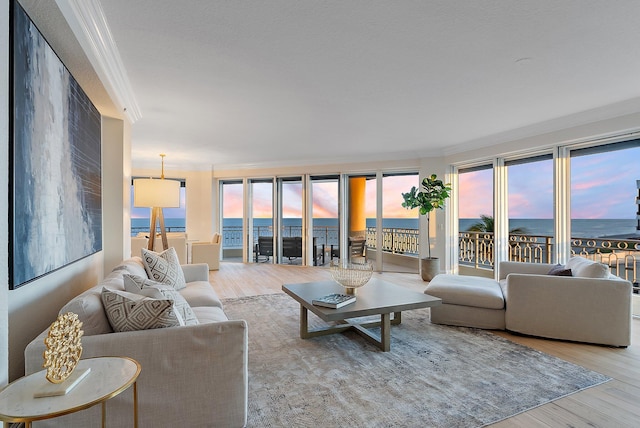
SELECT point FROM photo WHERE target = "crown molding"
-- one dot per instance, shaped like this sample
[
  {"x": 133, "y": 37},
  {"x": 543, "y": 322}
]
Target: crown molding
[{"x": 89, "y": 25}]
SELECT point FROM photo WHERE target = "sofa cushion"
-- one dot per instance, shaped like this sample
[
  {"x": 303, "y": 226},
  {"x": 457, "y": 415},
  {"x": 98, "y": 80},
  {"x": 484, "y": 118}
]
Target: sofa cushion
[
  {"x": 131, "y": 312},
  {"x": 560, "y": 270},
  {"x": 584, "y": 268},
  {"x": 164, "y": 267},
  {"x": 200, "y": 293},
  {"x": 88, "y": 306},
  {"x": 133, "y": 265},
  {"x": 208, "y": 314},
  {"x": 149, "y": 288},
  {"x": 466, "y": 291}
]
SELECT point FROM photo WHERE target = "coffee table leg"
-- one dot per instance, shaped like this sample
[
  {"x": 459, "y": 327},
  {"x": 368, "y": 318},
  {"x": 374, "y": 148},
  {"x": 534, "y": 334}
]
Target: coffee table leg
[
  {"x": 304, "y": 322},
  {"x": 385, "y": 332},
  {"x": 397, "y": 318}
]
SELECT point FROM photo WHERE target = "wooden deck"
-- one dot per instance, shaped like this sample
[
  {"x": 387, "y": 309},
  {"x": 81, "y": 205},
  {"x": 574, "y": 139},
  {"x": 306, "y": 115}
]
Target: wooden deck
[{"x": 613, "y": 404}]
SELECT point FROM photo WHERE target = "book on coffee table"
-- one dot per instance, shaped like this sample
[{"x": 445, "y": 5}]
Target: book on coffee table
[{"x": 334, "y": 300}]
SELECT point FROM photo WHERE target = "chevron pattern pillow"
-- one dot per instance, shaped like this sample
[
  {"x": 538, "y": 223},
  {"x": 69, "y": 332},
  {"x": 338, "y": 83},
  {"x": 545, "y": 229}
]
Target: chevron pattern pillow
[
  {"x": 131, "y": 312},
  {"x": 147, "y": 287},
  {"x": 164, "y": 267}
]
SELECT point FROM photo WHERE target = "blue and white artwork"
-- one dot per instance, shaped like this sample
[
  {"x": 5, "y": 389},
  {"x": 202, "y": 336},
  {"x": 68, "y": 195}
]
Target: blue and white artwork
[{"x": 56, "y": 166}]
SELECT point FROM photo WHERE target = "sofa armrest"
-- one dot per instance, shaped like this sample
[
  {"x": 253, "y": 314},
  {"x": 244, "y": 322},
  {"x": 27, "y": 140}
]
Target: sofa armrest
[
  {"x": 196, "y": 272},
  {"x": 507, "y": 268},
  {"x": 579, "y": 309},
  {"x": 193, "y": 373}
]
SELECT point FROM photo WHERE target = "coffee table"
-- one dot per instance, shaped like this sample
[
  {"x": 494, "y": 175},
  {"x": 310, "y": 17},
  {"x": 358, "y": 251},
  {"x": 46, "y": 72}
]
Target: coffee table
[{"x": 377, "y": 297}]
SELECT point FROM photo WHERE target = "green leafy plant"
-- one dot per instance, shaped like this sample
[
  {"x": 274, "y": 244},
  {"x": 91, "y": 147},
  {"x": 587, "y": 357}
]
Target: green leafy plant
[
  {"x": 431, "y": 195},
  {"x": 486, "y": 224}
]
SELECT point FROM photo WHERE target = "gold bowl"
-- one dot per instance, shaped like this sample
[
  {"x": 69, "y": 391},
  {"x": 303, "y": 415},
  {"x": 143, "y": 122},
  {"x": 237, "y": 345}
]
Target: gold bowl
[{"x": 351, "y": 275}]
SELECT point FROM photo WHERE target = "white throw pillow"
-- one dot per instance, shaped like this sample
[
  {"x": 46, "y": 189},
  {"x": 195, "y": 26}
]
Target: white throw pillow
[
  {"x": 584, "y": 268},
  {"x": 164, "y": 267},
  {"x": 131, "y": 312},
  {"x": 149, "y": 288}
]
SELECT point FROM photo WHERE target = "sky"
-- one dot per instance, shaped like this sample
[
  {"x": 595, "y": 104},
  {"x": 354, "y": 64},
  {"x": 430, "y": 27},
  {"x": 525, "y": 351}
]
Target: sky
[{"x": 603, "y": 186}]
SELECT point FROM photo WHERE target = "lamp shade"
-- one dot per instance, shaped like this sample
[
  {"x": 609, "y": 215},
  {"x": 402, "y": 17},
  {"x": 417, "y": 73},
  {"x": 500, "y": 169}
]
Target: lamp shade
[{"x": 161, "y": 193}]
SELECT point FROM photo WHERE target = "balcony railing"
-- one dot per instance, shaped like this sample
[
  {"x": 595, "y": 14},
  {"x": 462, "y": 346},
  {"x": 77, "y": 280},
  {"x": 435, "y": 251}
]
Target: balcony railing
[
  {"x": 397, "y": 241},
  {"x": 145, "y": 230},
  {"x": 476, "y": 249}
]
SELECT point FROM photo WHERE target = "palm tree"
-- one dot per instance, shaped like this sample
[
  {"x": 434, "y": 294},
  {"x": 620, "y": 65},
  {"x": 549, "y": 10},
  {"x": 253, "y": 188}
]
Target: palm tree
[{"x": 486, "y": 225}]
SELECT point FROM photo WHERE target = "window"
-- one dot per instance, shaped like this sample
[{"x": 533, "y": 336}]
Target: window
[
  {"x": 475, "y": 217},
  {"x": 530, "y": 201},
  {"x": 604, "y": 206}
]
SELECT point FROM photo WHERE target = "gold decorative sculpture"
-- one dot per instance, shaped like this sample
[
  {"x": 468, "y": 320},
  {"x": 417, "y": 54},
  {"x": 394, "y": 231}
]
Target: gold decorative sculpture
[{"x": 63, "y": 347}]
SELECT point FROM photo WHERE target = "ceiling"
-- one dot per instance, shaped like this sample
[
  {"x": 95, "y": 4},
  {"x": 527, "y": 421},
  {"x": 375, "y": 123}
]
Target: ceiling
[{"x": 265, "y": 83}]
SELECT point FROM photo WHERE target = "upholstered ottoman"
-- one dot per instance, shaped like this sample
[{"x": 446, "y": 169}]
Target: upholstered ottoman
[{"x": 468, "y": 301}]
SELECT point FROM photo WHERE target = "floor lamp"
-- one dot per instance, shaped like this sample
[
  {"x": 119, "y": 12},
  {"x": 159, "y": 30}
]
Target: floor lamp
[{"x": 156, "y": 194}]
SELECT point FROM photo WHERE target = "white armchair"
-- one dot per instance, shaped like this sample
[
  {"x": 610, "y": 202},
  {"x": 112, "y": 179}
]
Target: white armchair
[
  {"x": 137, "y": 244},
  {"x": 207, "y": 252},
  {"x": 177, "y": 240}
]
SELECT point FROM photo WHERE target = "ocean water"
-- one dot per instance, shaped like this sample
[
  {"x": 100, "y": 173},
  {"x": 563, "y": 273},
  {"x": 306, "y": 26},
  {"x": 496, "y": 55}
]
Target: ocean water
[{"x": 580, "y": 228}]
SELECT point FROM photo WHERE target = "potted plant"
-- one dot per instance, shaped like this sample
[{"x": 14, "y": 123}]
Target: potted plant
[{"x": 432, "y": 195}]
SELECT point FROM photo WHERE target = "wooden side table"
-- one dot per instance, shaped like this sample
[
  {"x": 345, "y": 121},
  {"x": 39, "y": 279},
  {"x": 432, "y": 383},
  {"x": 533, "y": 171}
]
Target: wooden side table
[{"x": 109, "y": 376}]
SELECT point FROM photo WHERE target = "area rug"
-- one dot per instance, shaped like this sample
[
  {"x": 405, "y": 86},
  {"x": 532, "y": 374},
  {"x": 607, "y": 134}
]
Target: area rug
[{"x": 434, "y": 376}]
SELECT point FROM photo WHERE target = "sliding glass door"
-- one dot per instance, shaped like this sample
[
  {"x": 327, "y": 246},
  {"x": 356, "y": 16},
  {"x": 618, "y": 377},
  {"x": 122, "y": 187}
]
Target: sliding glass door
[
  {"x": 290, "y": 238},
  {"x": 232, "y": 214},
  {"x": 324, "y": 217},
  {"x": 260, "y": 236},
  {"x": 400, "y": 231},
  {"x": 475, "y": 220}
]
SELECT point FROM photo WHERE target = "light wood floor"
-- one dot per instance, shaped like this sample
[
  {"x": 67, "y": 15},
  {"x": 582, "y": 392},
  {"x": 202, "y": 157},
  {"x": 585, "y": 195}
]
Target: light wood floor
[{"x": 613, "y": 404}]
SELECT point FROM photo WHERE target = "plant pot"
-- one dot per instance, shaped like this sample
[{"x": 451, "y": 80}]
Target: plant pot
[{"x": 429, "y": 267}]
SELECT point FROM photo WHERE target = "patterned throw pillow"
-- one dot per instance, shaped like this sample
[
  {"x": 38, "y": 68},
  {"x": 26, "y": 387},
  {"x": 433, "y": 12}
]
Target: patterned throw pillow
[
  {"x": 147, "y": 287},
  {"x": 164, "y": 267},
  {"x": 131, "y": 312},
  {"x": 560, "y": 270}
]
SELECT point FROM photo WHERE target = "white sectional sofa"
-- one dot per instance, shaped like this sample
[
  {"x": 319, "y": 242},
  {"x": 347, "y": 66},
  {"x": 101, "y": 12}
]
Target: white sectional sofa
[
  {"x": 591, "y": 305},
  {"x": 192, "y": 375}
]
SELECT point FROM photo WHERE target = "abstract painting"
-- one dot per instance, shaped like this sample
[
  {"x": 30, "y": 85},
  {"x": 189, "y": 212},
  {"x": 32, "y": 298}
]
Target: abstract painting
[{"x": 56, "y": 185}]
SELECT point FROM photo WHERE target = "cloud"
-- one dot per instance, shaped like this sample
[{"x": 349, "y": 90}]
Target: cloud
[{"x": 475, "y": 193}]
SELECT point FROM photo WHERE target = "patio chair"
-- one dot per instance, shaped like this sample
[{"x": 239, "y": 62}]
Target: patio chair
[
  {"x": 357, "y": 250},
  {"x": 264, "y": 248},
  {"x": 291, "y": 247}
]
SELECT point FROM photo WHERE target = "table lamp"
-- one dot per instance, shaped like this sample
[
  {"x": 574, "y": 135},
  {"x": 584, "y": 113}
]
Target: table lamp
[{"x": 156, "y": 194}]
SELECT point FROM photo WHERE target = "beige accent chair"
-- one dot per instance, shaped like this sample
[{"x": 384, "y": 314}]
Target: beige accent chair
[
  {"x": 207, "y": 252},
  {"x": 177, "y": 240},
  {"x": 137, "y": 244}
]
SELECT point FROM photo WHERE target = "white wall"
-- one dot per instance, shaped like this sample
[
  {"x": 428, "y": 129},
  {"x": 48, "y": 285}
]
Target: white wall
[
  {"x": 4, "y": 179},
  {"x": 116, "y": 153},
  {"x": 34, "y": 306}
]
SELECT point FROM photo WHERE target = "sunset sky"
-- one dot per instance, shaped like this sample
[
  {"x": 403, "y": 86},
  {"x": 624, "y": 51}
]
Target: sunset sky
[{"x": 602, "y": 186}]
